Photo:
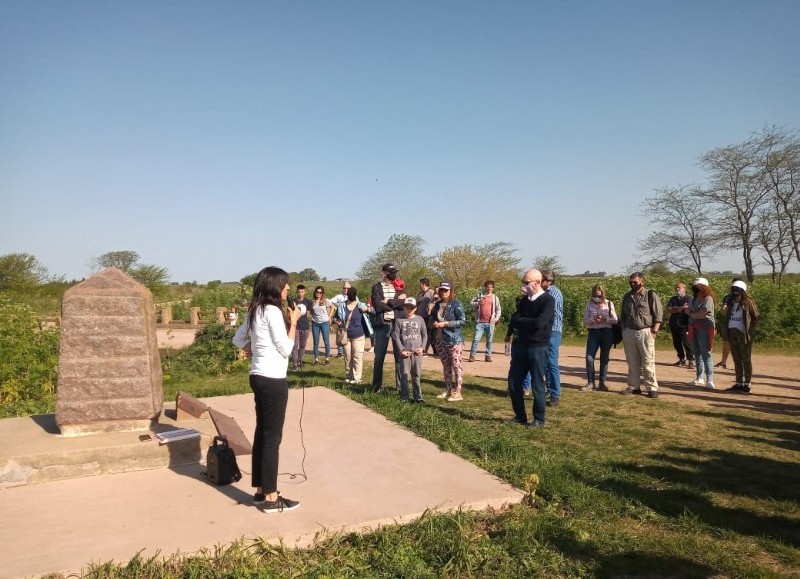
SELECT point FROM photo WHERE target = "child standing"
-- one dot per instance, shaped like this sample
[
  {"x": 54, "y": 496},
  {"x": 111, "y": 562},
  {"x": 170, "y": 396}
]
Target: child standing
[{"x": 409, "y": 338}]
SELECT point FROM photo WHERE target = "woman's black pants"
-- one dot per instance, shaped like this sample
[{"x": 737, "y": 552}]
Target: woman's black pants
[{"x": 271, "y": 395}]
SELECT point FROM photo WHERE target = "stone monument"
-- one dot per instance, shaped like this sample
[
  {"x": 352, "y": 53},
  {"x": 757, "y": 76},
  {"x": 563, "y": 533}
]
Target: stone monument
[{"x": 109, "y": 370}]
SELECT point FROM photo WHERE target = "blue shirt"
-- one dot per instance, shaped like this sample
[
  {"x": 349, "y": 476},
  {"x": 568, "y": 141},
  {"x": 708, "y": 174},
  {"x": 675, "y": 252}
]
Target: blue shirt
[{"x": 558, "y": 321}]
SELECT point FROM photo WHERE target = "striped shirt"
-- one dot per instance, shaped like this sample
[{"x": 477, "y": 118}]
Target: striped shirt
[{"x": 558, "y": 321}]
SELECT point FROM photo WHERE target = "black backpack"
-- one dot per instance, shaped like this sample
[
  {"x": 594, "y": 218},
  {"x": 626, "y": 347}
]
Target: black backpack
[{"x": 221, "y": 465}]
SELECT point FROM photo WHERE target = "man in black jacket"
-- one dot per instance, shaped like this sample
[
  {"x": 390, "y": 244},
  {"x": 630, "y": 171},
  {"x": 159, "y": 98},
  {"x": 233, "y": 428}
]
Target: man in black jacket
[
  {"x": 386, "y": 304},
  {"x": 536, "y": 313}
]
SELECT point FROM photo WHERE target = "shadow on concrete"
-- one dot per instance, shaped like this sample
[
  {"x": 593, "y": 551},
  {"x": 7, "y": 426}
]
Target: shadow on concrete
[{"x": 46, "y": 422}]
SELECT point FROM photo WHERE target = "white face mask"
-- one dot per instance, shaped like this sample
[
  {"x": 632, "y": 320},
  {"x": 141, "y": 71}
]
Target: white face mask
[
  {"x": 597, "y": 300},
  {"x": 680, "y": 292}
]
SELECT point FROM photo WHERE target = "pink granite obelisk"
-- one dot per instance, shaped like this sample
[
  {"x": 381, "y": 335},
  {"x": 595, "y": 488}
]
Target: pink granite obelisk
[{"x": 109, "y": 369}]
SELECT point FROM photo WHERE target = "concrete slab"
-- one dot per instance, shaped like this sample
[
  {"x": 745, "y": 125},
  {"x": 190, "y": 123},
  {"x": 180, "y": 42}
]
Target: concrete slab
[{"x": 362, "y": 471}]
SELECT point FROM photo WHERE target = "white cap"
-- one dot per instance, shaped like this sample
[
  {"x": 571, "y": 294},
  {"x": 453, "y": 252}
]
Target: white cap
[
  {"x": 700, "y": 281},
  {"x": 740, "y": 284},
  {"x": 410, "y": 302}
]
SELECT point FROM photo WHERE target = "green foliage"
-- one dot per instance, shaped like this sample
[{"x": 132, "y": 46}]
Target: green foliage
[
  {"x": 28, "y": 360},
  {"x": 211, "y": 354},
  {"x": 19, "y": 270},
  {"x": 224, "y": 297}
]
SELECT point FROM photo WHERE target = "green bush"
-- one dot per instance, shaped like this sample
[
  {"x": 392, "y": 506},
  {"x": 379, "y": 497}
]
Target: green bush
[
  {"x": 209, "y": 300},
  {"x": 211, "y": 354},
  {"x": 28, "y": 359}
]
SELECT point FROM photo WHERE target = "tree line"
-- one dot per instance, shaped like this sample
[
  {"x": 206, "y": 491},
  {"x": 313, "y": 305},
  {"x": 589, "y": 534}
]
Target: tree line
[{"x": 749, "y": 203}]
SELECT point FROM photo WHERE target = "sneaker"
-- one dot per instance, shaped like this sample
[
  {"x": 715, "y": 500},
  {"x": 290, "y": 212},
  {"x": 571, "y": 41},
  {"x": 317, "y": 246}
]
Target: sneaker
[
  {"x": 316, "y": 362},
  {"x": 690, "y": 365},
  {"x": 514, "y": 420},
  {"x": 680, "y": 363},
  {"x": 735, "y": 388},
  {"x": 280, "y": 505},
  {"x": 602, "y": 388},
  {"x": 487, "y": 359},
  {"x": 526, "y": 392},
  {"x": 259, "y": 499},
  {"x": 709, "y": 385},
  {"x": 471, "y": 358},
  {"x": 414, "y": 401},
  {"x": 628, "y": 391},
  {"x": 553, "y": 402},
  {"x": 745, "y": 388},
  {"x": 370, "y": 350},
  {"x": 720, "y": 365},
  {"x": 377, "y": 389},
  {"x": 653, "y": 394},
  {"x": 536, "y": 424},
  {"x": 443, "y": 395},
  {"x": 588, "y": 387},
  {"x": 327, "y": 361},
  {"x": 698, "y": 382},
  {"x": 454, "y": 397},
  {"x": 355, "y": 382}
]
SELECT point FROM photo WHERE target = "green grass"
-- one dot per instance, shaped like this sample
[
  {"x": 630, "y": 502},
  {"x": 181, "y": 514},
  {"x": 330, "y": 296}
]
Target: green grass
[{"x": 627, "y": 488}]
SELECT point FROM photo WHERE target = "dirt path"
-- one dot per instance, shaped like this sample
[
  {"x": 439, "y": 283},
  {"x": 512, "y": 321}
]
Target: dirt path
[{"x": 775, "y": 388}]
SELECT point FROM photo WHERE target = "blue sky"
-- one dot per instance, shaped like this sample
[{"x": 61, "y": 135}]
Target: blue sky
[{"x": 215, "y": 138}]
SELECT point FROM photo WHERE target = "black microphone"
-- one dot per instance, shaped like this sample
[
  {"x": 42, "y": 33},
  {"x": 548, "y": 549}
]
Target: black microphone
[{"x": 290, "y": 302}]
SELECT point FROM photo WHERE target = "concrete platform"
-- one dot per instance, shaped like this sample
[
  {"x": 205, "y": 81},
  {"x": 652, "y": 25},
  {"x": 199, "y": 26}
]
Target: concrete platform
[{"x": 362, "y": 471}]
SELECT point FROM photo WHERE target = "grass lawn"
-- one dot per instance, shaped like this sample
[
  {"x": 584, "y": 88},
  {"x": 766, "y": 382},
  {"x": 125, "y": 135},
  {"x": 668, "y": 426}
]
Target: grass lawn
[{"x": 626, "y": 488}]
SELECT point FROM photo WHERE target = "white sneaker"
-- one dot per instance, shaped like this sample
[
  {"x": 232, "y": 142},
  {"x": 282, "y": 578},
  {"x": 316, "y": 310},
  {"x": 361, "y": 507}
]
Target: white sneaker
[
  {"x": 698, "y": 382},
  {"x": 443, "y": 395},
  {"x": 710, "y": 386},
  {"x": 454, "y": 397}
]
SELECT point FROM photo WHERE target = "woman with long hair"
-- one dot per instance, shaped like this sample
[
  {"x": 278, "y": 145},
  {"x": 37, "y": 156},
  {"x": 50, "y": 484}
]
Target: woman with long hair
[
  {"x": 321, "y": 312},
  {"x": 267, "y": 336},
  {"x": 448, "y": 318},
  {"x": 701, "y": 331},
  {"x": 741, "y": 320},
  {"x": 599, "y": 316}
]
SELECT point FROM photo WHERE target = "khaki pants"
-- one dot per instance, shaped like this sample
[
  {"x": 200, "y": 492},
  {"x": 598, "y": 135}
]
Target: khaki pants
[
  {"x": 354, "y": 358},
  {"x": 640, "y": 353}
]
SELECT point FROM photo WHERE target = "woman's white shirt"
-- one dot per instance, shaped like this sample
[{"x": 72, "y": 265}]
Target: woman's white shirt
[{"x": 269, "y": 342}]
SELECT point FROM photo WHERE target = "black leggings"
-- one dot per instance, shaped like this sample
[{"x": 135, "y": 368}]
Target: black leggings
[{"x": 271, "y": 395}]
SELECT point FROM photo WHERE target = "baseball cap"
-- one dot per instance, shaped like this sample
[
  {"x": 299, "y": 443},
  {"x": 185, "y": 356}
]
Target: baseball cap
[
  {"x": 445, "y": 285},
  {"x": 700, "y": 281},
  {"x": 410, "y": 302},
  {"x": 740, "y": 284},
  {"x": 389, "y": 267}
]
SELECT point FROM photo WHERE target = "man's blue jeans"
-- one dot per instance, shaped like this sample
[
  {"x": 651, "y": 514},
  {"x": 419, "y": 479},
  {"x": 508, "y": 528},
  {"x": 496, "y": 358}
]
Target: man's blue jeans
[
  {"x": 480, "y": 328},
  {"x": 533, "y": 359},
  {"x": 380, "y": 340},
  {"x": 553, "y": 374}
]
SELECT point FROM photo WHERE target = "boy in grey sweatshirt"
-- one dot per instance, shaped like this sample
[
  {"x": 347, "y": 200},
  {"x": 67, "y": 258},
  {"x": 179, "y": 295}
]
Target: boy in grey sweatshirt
[{"x": 409, "y": 338}]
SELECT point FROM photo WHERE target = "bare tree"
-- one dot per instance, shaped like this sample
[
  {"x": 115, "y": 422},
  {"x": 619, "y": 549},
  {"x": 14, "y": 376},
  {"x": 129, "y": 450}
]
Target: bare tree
[
  {"x": 772, "y": 236},
  {"x": 681, "y": 233},
  {"x": 736, "y": 194},
  {"x": 782, "y": 177}
]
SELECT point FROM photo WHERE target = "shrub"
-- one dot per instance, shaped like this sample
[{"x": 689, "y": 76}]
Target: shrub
[
  {"x": 28, "y": 357},
  {"x": 211, "y": 354}
]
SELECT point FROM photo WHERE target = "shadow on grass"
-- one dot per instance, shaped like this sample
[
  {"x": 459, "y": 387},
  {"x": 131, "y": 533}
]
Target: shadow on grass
[{"x": 680, "y": 484}]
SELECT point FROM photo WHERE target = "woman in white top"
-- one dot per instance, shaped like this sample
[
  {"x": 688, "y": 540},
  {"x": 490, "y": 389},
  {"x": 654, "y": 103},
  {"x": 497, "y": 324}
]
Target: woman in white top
[
  {"x": 598, "y": 317},
  {"x": 267, "y": 336},
  {"x": 321, "y": 312}
]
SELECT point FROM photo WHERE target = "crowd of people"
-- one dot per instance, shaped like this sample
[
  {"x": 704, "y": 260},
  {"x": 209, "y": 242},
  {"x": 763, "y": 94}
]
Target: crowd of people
[{"x": 272, "y": 335}]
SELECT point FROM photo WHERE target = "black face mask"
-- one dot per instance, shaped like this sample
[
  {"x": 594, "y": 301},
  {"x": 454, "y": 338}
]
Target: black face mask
[
  {"x": 392, "y": 275},
  {"x": 635, "y": 286}
]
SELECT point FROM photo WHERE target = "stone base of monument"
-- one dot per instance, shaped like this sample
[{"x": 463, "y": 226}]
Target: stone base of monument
[{"x": 34, "y": 450}]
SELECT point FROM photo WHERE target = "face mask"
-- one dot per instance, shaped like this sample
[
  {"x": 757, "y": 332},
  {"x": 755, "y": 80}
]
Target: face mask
[
  {"x": 635, "y": 286},
  {"x": 597, "y": 300},
  {"x": 680, "y": 292},
  {"x": 527, "y": 289},
  {"x": 391, "y": 275}
]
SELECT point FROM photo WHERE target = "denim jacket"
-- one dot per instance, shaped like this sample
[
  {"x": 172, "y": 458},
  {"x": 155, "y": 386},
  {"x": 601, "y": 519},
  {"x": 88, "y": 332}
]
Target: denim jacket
[{"x": 455, "y": 316}]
